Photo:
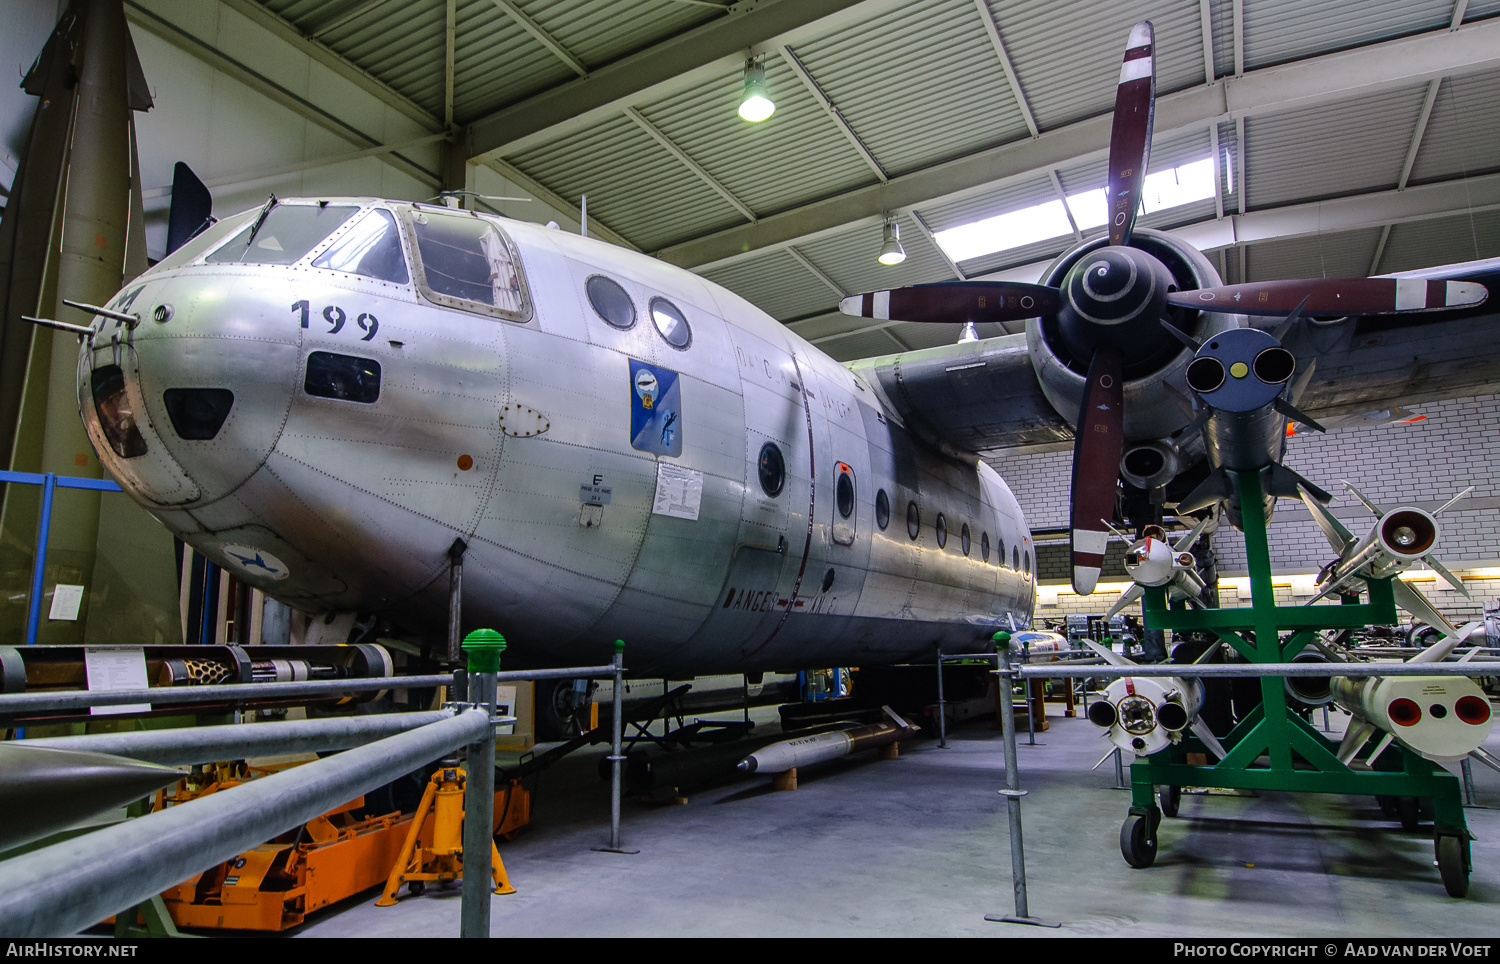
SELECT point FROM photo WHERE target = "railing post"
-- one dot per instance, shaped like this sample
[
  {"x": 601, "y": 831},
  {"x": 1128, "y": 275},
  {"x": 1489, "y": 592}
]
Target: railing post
[
  {"x": 483, "y": 647},
  {"x": 617, "y": 752}
]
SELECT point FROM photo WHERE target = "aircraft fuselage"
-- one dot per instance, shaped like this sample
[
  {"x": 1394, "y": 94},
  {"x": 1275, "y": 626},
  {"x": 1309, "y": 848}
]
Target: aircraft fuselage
[{"x": 645, "y": 457}]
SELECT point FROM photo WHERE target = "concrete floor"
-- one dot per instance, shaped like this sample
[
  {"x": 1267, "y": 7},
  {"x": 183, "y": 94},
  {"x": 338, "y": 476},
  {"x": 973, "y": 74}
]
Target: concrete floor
[{"x": 919, "y": 846}]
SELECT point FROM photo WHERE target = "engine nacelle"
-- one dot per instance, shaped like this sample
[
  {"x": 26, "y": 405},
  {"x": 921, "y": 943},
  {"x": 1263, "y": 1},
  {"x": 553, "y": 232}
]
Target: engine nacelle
[{"x": 1150, "y": 354}]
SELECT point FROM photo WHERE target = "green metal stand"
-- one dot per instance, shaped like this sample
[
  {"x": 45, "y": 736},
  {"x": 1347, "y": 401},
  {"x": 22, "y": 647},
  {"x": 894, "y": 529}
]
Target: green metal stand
[{"x": 1272, "y": 748}]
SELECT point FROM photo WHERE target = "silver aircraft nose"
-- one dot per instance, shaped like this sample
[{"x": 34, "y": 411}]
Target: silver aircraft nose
[{"x": 186, "y": 405}]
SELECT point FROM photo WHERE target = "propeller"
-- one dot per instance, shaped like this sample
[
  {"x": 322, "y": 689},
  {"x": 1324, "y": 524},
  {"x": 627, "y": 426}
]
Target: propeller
[{"x": 1107, "y": 314}]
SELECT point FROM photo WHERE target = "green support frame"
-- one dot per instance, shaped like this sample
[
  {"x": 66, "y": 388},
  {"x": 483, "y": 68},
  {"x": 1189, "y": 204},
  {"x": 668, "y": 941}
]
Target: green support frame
[{"x": 1272, "y": 731}]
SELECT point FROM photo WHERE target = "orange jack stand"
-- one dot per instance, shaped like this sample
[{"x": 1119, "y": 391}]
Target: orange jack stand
[{"x": 443, "y": 801}]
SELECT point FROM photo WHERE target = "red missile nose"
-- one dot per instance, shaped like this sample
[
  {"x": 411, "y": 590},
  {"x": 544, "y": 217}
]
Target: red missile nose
[
  {"x": 1473, "y": 710},
  {"x": 1404, "y": 712}
]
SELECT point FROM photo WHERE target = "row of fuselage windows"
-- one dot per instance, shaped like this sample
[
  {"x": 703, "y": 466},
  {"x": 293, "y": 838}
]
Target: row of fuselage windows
[{"x": 771, "y": 467}]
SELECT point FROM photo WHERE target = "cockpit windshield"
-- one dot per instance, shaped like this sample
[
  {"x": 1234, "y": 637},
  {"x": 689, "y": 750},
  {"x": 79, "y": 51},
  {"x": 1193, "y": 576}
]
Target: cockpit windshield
[
  {"x": 284, "y": 234},
  {"x": 370, "y": 247}
]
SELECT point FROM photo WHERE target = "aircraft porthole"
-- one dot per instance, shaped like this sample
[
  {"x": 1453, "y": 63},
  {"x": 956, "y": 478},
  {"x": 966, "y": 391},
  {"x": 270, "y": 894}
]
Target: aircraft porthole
[
  {"x": 611, "y": 302},
  {"x": 672, "y": 324},
  {"x": 942, "y": 531},
  {"x": 984, "y": 547},
  {"x": 963, "y": 538},
  {"x": 882, "y": 509},
  {"x": 913, "y": 520},
  {"x": 772, "y": 469}
]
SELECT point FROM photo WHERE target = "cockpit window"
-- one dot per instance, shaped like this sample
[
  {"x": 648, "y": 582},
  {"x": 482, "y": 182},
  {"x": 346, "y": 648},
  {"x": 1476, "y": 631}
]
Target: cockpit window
[
  {"x": 285, "y": 234},
  {"x": 371, "y": 247},
  {"x": 211, "y": 237},
  {"x": 345, "y": 377},
  {"x": 467, "y": 262},
  {"x": 116, "y": 413}
]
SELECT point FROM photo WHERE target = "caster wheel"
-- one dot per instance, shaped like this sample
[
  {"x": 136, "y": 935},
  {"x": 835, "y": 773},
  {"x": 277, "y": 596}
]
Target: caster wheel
[
  {"x": 1407, "y": 812},
  {"x": 1171, "y": 800},
  {"x": 416, "y": 887},
  {"x": 1453, "y": 865},
  {"x": 1138, "y": 841}
]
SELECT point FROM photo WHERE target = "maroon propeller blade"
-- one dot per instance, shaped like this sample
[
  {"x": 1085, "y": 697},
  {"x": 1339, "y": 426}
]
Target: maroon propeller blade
[
  {"x": 1097, "y": 449},
  {"x": 956, "y": 302},
  {"x": 1130, "y": 138},
  {"x": 1335, "y": 296}
]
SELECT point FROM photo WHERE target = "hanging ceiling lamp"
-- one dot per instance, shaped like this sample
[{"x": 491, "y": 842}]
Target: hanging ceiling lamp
[
  {"x": 756, "y": 104},
  {"x": 891, "y": 251}
]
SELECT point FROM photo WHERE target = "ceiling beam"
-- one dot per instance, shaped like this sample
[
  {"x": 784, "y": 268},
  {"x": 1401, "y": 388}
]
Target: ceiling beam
[
  {"x": 292, "y": 37},
  {"x": 1316, "y": 80},
  {"x": 789, "y": 56},
  {"x": 992, "y": 30},
  {"x": 637, "y": 118},
  {"x": 191, "y": 44},
  {"x": 678, "y": 63},
  {"x": 553, "y": 45}
]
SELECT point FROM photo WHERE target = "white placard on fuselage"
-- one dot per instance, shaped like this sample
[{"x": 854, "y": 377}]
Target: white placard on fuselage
[{"x": 679, "y": 491}]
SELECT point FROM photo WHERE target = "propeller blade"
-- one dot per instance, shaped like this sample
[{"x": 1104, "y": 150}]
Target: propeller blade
[
  {"x": 1335, "y": 296},
  {"x": 955, "y": 302},
  {"x": 1130, "y": 138},
  {"x": 1099, "y": 443}
]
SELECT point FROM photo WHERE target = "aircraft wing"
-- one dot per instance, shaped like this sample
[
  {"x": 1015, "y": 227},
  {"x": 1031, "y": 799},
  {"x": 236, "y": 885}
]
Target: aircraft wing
[
  {"x": 975, "y": 397},
  {"x": 983, "y": 397}
]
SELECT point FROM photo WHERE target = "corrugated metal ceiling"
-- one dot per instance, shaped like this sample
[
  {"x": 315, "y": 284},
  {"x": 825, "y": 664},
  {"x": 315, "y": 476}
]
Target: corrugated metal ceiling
[{"x": 920, "y": 84}]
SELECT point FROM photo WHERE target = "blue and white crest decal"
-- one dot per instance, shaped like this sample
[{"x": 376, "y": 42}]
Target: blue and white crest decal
[{"x": 655, "y": 409}]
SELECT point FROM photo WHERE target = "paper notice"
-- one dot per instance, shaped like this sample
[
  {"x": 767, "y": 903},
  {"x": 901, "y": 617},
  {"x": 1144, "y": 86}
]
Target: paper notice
[
  {"x": 116, "y": 669},
  {"x": 65, "y": 602},
  {"x": 679, "y": 491}
]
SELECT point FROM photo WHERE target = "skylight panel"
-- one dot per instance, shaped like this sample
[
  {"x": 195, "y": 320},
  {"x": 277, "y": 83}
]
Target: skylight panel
[{"x": 1090, "y": 209}]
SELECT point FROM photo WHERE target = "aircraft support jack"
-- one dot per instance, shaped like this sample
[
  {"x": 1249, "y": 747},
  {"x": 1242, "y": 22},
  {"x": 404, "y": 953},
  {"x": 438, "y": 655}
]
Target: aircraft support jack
[{"x": 442, "y": 861}]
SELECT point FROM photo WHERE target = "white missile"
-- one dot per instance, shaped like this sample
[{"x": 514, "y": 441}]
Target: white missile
[
  {"x": 1145, "y": 715},
  {"x": 1399, "y": 539},
  {"x": 1442, "y": 718},
  {"x": 822, "y": 747},
  {"x": 1154, "y": 562}
]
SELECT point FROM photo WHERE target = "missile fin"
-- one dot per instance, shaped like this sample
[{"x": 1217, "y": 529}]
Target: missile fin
[
  {"x": 1385, "y": 741},
  {"x": 1361, "y": 497},
  {"x": 1203, "y": 733},
  {"x": 1482, "y": 755},
  {"x": 1338, "y": 537},
  {"x": 1295, "y": 414},
  {"x": 1439, "y": 650},
  {"x": 1452, "y": 500},
  {"x": 1127, "y": 597},
  {"x": 1286, "y": 484},
  {"x": 1110, "y": 656},
  {"x": 1186, "y": 542},
  {"x": 1409, "y": 599},
  {"x": 1300, "y": 385},
  {"x": 1358, "y": 733},
  {"x": 1448, "y": 577},
  {"x": 1210, "y": 491}
]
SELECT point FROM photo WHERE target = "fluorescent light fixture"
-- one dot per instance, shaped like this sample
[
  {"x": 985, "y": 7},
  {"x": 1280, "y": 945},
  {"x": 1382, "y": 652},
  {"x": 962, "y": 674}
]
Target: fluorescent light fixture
[
  {"x": 1090, "y": 209},
  {"x": 756, "y": 104}
]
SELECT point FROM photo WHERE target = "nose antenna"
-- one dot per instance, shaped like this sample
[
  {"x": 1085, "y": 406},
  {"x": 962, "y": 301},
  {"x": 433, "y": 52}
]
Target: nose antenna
[
  {"x": 130, "y": 320},
  {"x": 81, "y": 331}
]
